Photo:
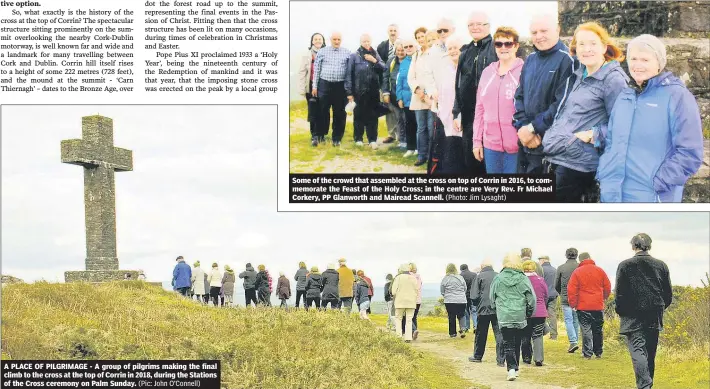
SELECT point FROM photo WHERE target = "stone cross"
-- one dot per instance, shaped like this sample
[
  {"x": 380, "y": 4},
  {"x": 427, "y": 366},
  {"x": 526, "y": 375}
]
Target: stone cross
[{"x": 100, "y": 159}]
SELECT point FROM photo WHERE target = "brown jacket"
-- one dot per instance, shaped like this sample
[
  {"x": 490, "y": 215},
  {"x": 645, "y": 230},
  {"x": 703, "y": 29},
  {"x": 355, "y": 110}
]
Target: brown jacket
[
  {"x": 345, "y": 285},
  {"x": 283, "y": 288}
]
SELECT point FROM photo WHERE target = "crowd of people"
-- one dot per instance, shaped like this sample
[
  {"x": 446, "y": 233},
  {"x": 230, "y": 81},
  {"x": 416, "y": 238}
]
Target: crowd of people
[
  {"x": 479, "y": 108},
  {"x": 518, "y": 303}
]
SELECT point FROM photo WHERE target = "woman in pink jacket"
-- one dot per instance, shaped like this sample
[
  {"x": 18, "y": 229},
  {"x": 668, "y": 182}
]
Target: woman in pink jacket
[
  {"x": 495, "y": 140},
  {"x": 531, "y": 344}
]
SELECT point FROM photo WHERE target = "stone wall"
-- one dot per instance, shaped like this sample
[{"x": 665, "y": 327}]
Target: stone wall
[{"x": 98, "y": 276}]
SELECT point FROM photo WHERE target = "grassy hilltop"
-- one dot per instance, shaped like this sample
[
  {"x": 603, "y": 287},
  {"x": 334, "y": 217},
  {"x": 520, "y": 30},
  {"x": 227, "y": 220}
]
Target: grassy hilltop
[{"x": 259, "y": 348}]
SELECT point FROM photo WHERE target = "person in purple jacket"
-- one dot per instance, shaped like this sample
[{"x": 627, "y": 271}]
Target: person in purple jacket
[{"x": 531, "y": 346}]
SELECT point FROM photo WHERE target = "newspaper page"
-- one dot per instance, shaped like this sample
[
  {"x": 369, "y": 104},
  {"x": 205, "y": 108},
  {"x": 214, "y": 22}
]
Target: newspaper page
[{"x": 238, "y": 247}]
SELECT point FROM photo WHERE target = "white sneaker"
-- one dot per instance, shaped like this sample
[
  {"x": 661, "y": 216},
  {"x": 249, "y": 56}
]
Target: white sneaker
[
  {"x": 408, "y": 153},
  {"x": 511, "y": 375},
  {"x": 359, "y": 143},
  {"x": 402, "y": 145},
  {"x": 373, "y": 145}
]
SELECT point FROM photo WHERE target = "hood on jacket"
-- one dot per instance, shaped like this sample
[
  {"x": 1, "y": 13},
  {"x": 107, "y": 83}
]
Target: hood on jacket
[
  {"x": 518, "y": 63},
  {"x": 511, "y": 277},
  {"x": 587, "y": 262},
  {"x": 250, "y": 268}
]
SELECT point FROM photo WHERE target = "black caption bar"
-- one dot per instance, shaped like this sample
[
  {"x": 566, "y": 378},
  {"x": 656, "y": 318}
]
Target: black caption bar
[
  {"x": 419, "y": 188},
  {"x": 127, "y": 374}
]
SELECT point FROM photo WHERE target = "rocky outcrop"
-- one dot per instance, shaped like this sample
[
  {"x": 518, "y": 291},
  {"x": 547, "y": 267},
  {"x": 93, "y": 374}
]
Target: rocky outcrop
[{"x": 7, "y": 279}]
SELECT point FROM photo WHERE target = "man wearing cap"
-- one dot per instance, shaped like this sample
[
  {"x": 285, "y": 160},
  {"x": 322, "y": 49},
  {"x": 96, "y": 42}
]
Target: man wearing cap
[
  {"x": 643, "y": 292},
  {"x": 588, "y": 289},
  {"x": 181, "y": 276},
  {"x": 549, "y": 272},
  {"x": 345, "y": 286},
  {"x": 564, "y": 272}
]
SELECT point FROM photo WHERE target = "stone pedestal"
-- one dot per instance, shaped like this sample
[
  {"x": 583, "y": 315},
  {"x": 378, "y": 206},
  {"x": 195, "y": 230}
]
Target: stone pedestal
[{"x": 99, "y": 275}]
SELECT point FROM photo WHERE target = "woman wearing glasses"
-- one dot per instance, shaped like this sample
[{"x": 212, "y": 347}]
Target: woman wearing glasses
[
  {"x": 404, "y": 98},
  {"x": 420, "y": 103},
  {"x": 495, "y": 140},
  {"x": 588, "y": 98},
  {"x": 306, "y": 86}
]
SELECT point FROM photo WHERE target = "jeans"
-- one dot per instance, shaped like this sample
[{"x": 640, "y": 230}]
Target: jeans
[
  {"x": 410, "y": 128},
  {"x": 571, "y": 323},
  {"x": 482, "y": 337},
  {"x": 332, "y": 94},
  {"x": 499, "y": 162},
  {"x": 571, "y": 185},
  {"x": 346, "y": 304},
  {"x": 531, "y": 345},
  {"x": 469, "y": 316},
  {"x": 395, "y": 122},
  {"x": 552, "y": 317},
  {"x": 455, "y": 311},
  {"x": 512, "y": 338},
  {"x": 299, "y": 294},
  {"x": 592, "y": 323},
  {"x": 312, "y": 300},
  {"x": 391, "y": 322},
  {"x": 333, "y": 303},
  {"x": 642, "y": 346},
  {"x": 284, "y": 303},
  {"x": 425, "y": 130},
  {"x": 364, "y": 307}
]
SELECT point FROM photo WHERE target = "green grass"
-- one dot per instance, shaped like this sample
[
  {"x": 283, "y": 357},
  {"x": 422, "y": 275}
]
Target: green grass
[
  {"x": 307, "y": 159},
  {"x": 689, "y": 368},
  {"x": 259, "y": 348}
]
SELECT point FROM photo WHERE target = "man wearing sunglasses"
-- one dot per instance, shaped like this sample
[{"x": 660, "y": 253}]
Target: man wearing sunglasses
[{"x": 475, "y": 57}]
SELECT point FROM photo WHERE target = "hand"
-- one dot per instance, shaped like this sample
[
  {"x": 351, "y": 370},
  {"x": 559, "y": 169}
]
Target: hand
[
  {"x": 370, "y": 58},
  {"x": 457, "y": 125},
  {"x": 386, "y": 99},
  {"x": 585, "y": 136},
  {"x": 535, "y": 142},
  {"x": 419, "y": 93},
  {"x": 478, "y": 153},
  {"x": 401, "y": 104},
  {"x": 314, "y": 92},
  {"x": 435, "y": 96},
  {"x": 350, "y": 99},
  {"x": 525, "y": 135}
]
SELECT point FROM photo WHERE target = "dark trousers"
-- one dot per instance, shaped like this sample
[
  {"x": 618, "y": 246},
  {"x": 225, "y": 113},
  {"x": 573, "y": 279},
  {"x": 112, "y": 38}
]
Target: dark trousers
[
  {"x": 592, "y": 324},
  {"x": 332, "y": 94},
  {"x": 214, "y": 294},
  {"x": 311, "y": 300},
  {"x": 512, "y": 338},
  {"x": 473, "y": 166},
  {"x": 184, "y": 291},
  {"x": 529, "y": 163},
  {"x": 532, "y": 339},
  {"x": 264, "y": 297},
  {"x": 410, "y": 128},
  {"x": 482, "y": 337},
  {"x": 250, "y": 296},
  {"x": 572, "y": 186},
  {"x": 315, "y": 119},
  {"x": 414, "y": 319},
  {"x": 642, "y": 345},
  {"x": 333, "y": 303},
  {"x": 300, "y": 294},
  {"x": 365, "y": 118},
  {"x": 455, "y": 313}
]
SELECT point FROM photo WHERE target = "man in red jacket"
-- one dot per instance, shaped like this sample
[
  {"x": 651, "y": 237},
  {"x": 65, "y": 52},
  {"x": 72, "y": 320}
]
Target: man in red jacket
[{"x": 587, "y": 290}]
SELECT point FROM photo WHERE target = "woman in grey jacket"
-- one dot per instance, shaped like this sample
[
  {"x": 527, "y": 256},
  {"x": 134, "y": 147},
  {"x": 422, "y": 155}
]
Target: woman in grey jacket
[
  {"x": 453, "y": 288},
  {"x": 300, "y": 279}
]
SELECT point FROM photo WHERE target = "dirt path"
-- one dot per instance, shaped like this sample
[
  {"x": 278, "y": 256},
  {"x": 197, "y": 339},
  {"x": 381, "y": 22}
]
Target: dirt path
[{"x": 485, "y": 373}]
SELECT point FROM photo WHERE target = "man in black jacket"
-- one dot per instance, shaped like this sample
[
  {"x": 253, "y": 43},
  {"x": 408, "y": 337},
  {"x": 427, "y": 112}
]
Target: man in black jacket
[
  {"x": 550, "y": 272},
  {"x": 480, "y": 294},
  {"x": 542, "y": 86},
  {"x": 469, "y": 315},
  {"x": 643, "y": 292},
  {"x": 386, "y": 50},
  {"x": 564, "y": 273},
  {"x": 474, "y": 57}
]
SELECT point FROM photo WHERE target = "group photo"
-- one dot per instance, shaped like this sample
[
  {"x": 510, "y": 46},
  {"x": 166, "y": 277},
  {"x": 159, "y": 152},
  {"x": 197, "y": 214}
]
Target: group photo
[{"x": 529, "y": 88}]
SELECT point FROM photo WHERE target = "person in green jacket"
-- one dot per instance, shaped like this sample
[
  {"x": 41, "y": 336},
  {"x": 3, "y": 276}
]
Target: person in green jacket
[{"x": 513, "y": 298}]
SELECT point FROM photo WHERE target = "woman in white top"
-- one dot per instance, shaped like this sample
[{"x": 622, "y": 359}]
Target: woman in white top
[{"x": 419, "y": 79}]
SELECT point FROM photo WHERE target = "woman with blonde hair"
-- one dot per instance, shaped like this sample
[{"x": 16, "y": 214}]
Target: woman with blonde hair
[
  {"x": 532, "y": 345},
  {"x": 405, "y": 293},
  {"x": 215, "y": 281},
  {"x": 419, "y": 79},
  {"x": 300, "y": 279},
  {"x": 513, "y": 298},
  {"x": 262, "y": 286},
  {"x": 585, "y": 107},
  {"x": 314, "y": 285},
  {"x": 228, "y": 285},
  {"x": 453, "y": 288}
]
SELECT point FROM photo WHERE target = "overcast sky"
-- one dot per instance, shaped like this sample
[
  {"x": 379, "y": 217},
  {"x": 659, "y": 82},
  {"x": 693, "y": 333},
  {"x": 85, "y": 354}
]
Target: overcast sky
[{"x": 204, "y": 186}]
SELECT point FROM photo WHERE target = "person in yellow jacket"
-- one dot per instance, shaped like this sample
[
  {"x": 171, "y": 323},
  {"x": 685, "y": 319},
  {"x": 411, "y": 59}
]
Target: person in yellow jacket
[{"x": 345, "y": 289}]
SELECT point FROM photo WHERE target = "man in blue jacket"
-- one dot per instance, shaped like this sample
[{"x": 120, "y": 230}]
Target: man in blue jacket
[
  {"x": 181, "y": 276},
  {"x": 542, "y": 86}
]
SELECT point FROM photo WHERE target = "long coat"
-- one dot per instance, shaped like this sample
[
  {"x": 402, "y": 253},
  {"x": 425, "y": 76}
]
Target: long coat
[{"x": 198, "y": 281}]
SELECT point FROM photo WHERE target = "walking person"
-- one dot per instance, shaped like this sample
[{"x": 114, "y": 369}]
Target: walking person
[
  {"x": 306, "y": 86},
  {"x": 228, "y": 280},
  {"x": 453, "y": 288},
  {"x": 405, "y": 293},
  {"x": 513, "y": 298},
  {"x": 215, "y": 281},
  {"x": 329, "y": 71},
  {"x": 370, "y": 287},
  {"x": 331, "y": 280},
  {"x": 181, "y": 276},
  {"x": 643, "y": 291},
  {"x": 415, "y": 325},
  {"x": 481, "y": 296},
  {"x": 564, "y": 273},
  {"x": 262, "y": 286},
  {"x": 345, "y": 282},
  {"x": 283, "y": 290},
  {"x": 532, "y": 343},
  {"x": 249, "y": 276},
  {"x": 588, "y": 289},
  {"x": 396, "y": 121},
  {"x": 198, "y": 282},
  {"x": 469, "y": 316},
  {"x": 300, "y": 279},
  {"x": 362, "y": 288},
  {"x": 549, "y": 273},
  {"x": 391, "y": 322},
  {"x": 314, "y": 285}
]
